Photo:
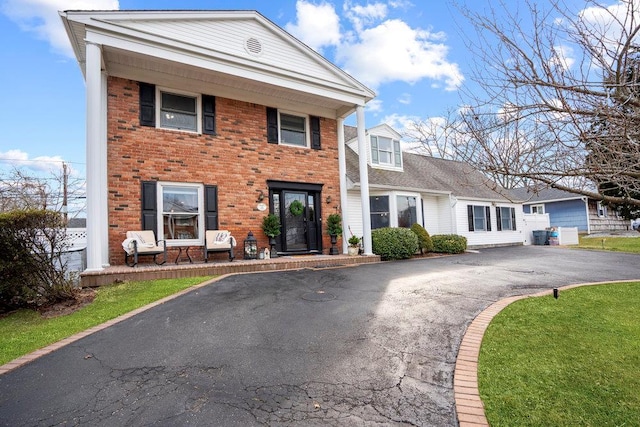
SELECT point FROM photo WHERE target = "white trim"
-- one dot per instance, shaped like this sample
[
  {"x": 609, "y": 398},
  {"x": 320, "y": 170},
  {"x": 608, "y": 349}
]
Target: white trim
[
  {"x": 307, "y": 130},
  {"x": 198, "y": 98},
  {"x": 199, "y": 241}
]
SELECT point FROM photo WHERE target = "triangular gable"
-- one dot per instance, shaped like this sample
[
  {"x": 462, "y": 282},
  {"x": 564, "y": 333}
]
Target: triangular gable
[{"x": 240, "y": 39}]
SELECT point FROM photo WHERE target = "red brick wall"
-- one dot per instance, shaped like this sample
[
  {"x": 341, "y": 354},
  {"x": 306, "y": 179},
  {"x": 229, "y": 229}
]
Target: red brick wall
[{"x": 238, "y": 160}]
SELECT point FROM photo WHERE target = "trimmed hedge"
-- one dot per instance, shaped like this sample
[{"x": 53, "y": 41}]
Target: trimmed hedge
[
  {"x": 449, "y": 243},
  {"x": 394, "y": 243},
  {"x": 425, "y": 244}
]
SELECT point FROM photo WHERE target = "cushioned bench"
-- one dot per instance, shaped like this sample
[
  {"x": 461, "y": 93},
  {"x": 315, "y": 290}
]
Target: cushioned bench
[
  {"x": 218, "y": 241},
  {"x": 143, "y": 243}
]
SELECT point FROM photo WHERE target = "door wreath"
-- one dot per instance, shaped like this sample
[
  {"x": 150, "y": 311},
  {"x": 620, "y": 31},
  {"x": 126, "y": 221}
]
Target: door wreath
[{"x": 296, "y": 208}]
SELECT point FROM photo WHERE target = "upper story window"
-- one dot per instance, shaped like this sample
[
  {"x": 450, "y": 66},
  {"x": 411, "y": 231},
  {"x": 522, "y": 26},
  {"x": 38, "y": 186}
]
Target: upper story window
[
  {"x": 385, "y": 151},
  {"x": 170, "y": 109},
  {"x": 293, "y": 129},
  {"x": 178, "y": 111}
]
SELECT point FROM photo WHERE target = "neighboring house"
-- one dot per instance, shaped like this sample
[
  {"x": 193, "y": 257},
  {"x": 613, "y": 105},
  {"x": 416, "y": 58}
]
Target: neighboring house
[
  {"x": 567, "y": 209},
  {"x": 444, "y": 196},
  {"x": 203, "y": 120}
]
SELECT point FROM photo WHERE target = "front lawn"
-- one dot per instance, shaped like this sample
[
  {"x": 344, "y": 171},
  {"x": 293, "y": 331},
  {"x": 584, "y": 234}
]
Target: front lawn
[
  {"x": 617, "y": 244},
  {"x": 565, "y": 362},
  {"x": 26, "y": 330}
]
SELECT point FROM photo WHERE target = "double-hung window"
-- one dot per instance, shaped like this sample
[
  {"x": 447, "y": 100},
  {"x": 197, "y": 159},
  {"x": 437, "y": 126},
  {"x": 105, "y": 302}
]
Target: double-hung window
[
  {"x": 293, "y": 130},
  {"x": 178, "y": 111},
  {"x": 181, "y": 212},
  {"x": 479, "y": 218},
  {"x": 379, "y": 207},
  {"x": 385, "y": 151},
  {"x": 506, "y": 218}
]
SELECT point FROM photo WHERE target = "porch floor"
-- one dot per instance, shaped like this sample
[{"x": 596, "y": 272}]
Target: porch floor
[{"x": 212, "y": 268}]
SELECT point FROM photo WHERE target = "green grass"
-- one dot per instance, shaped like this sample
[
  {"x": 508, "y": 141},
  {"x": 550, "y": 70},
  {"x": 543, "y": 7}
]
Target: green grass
[
  {"x": 25, "y": 330},
  {"x": 566, "y": 362},
  {"x": 617, "y": 244}
]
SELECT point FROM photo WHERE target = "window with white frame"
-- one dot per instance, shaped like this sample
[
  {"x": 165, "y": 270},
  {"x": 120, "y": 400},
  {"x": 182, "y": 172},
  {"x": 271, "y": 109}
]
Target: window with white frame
[
  {"x": 293, "y": 130},
  {"x": 537, "y": 209},
  {"x": 479, "y": 218},
  {"x": 178, "y": 111},
  {"x": 379, "y": 207},
  {"x": 407, "y": 214},
  {"x": 181, "y": 213},
  {"x": 602, "y": 209},
  {"x": 385, "y": 151},
  {"x": 506, "y": 218}
]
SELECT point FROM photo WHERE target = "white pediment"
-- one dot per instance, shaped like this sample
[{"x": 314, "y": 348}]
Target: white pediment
[{"x": 243, "y": 44}]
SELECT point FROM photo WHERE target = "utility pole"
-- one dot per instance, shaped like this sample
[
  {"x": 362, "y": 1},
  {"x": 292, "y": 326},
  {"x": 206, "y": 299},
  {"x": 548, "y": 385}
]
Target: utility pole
[{"x": 64, "y": 193}]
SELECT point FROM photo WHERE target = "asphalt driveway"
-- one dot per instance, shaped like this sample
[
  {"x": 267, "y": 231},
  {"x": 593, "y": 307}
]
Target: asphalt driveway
[{"x": 366, "y": 345}]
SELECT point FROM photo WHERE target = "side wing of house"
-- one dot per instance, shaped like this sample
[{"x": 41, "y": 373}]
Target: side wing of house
[{"x": 486, "y": 224}]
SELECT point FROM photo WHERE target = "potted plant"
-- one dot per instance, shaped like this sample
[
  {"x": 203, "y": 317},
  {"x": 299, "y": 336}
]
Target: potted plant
[
  {"x": 354, "y": 245},
  {"x": 334, "y": 229},
  {"x": 271, "y": 228}
]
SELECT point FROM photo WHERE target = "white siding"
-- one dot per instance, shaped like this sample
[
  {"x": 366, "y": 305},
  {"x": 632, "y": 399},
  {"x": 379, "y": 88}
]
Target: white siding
[
  {"x": 493, "y": 237},
  {"x": 432, "y": 214},
  {"x": 354, "y": 213},
  {"x": 229, "y": 37}
]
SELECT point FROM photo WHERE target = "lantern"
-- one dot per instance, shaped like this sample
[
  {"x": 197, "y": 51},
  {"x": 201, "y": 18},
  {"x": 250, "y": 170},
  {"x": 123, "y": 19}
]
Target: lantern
[{"x": 250, "y": 247}]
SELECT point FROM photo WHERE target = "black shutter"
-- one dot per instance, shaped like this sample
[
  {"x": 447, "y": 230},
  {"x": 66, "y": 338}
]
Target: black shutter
[
  {"x": 149, "y": 206},
  {"x": 513, "y": 219},
  {"x": 498, "y": 219},
  {"x": 211, "y": 207},
  {"x": 470, "y": 217},
  {"x": 315, "y": 132},
  {"x": 209, "y": 114},
  {"x": 272, "y": 125},
  {"x": 147, "y": 104},
  {"x": 488, "y": 211}
]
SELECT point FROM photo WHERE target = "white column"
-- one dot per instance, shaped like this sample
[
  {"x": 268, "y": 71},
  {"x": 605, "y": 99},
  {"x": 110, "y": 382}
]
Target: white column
[
  {"x": 104, "y": 187},
  {"x": 342, "y": 168},
  {"x": 95, "y": 216},
  {"x": 364, "y": 181}
]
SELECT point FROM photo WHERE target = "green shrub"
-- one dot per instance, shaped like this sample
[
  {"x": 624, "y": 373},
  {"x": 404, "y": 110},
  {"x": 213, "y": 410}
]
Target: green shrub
[
  {"x": 425, "y": 244},
  {"x": 449, "y": 243},
  {"x": 394, "y": 243},
  {"x": 31, "y": 269}
]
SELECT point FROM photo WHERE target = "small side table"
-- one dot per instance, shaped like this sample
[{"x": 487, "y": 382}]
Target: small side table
[{"x": 186, "y": 252}]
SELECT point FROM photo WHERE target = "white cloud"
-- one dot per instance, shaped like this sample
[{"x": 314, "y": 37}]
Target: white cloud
[
  {"x": 562, "y": 57},
  {"x": 41, "y": 17},
  {"x": 405, "y": 98},
  {"x": 393, "y": 51},
  {"x": 400, "y": 123},
  {"x": 365, "y": 15},
  {"x": 317, "y": 25},
  {"x": 19, "y": 158},
  {"x": 374, "y": 106}
]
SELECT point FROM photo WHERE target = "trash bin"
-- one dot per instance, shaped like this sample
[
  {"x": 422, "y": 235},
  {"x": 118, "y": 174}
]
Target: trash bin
[{"x": 540, "y": 237}]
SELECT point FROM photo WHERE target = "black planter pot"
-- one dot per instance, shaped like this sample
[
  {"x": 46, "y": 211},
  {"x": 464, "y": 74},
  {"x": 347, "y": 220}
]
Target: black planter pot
[
  {"x": 272, "y": 244},
  {"x": 334, "y": 249}
]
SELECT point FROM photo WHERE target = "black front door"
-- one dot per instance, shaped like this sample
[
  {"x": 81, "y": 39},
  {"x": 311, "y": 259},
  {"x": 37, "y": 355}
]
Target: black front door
[{"x": 300, "y": 218}]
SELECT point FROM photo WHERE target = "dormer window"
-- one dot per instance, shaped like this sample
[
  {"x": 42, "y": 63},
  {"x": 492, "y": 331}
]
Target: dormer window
[{"x": 385, "y": 151}]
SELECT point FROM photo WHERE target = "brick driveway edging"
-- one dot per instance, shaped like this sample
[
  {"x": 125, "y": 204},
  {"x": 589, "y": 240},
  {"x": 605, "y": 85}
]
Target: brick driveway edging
[{"x": 469, "y": 406}]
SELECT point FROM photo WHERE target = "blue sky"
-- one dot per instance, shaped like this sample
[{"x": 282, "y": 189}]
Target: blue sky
[
  {"x": 409, "y": 51},
  {"x": 43, "y": 94}
]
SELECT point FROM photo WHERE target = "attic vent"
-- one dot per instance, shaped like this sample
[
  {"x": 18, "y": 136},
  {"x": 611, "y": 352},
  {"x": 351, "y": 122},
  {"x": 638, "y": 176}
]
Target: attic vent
[{"x": 253, "y": 46}]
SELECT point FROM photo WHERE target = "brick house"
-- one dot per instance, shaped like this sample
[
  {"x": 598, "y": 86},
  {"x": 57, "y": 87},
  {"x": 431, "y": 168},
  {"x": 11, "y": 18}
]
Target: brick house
[{"x": 203, "y": 120}]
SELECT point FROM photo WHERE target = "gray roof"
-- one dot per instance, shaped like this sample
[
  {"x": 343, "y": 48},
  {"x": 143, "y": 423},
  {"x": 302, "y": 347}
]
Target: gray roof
[
  {"x": 427, "y": 174},
  {"x": 538, "y": 195}
]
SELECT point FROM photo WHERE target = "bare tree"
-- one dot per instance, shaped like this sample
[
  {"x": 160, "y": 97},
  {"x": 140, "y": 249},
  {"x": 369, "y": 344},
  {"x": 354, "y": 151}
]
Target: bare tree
[{"x": 553, "y": 99}]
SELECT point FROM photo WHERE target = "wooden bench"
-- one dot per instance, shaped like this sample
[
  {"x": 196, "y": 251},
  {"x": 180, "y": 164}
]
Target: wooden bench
[
  {"x": 218, "y": 241},
  {"x": 143, "y": 243}
]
